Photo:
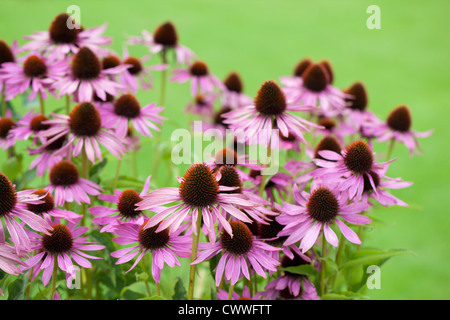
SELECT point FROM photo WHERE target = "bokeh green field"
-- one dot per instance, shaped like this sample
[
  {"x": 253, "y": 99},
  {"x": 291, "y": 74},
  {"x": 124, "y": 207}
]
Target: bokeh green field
[{"x": 404, "y": 62}]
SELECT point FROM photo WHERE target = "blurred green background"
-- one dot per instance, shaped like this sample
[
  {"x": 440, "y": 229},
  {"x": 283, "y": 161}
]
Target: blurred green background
[{"x": 404, "y": 62}]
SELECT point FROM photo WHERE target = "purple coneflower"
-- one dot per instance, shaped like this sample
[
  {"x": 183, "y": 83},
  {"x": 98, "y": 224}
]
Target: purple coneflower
[
  {"x": 269, "y": 111},
  {"x": 317, "y": 212},
  {"x": 126, "y": 109},
  {"x": 137, "y": 71},
  {"x": 29, "y": 125},
  {"x": 354, "y": 163},
  {"x": 241, "y": 252},
  {"x": 67, "y": 186},
  {"x": 7, "y": 123},
  {"x": 46, "y": 157},
  {"x": 84, "y": 130},
  {"x": 291, "y": 286},
  {"x": 398, "y": 127},
  {"x": 232, "y": 94},
  {"x": 200, "y": 194},
  {"x": 12, "y": 207},
  {"x": 64, "y": 243},
  {"x": 316, "y": 90},
  {"x": 202, "y": 80},
  {"x": 7, "y": 55},
  {"x": 203, "y": 104},
  {"x": 36, "y": 73},
  {"x": 163, "y": 246},
  {"x": 124, "y": 210},
  {"x": 60, "y": 40},
  {"x": 85, "y": 77},
  {"x": 164, "y": 40},
  {"x": 10, "y": 260}
]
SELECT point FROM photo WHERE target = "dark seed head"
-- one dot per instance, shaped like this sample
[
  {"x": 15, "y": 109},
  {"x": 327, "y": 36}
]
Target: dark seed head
[
  {"x": 36, "y": 124},
  {"x": 6, "y": 54},
  {"x": 327, "y": 143},
  {"x": 48, "y": 205},
  {"x": 63, "y": 173},
  {"x": 327, "y": 123},
  {"x": 218, "y": 119},
  {"x": 358, "y": 157},
  {"x": 8, "y": 197},
  {"x": 166, "y": 35},
  {"x": 85, "y": 120},
  {"x": 34, "y": 67},
  {"x": 400, "y": 119},
  {"x": 136, "y": 65},
  {"x": 57, "y": 144},
  {"x": 226, "y": 156},
  {"x": 6, "y": 124},
  {"x": 86, "y": 65},
  {"x": 127, "y": 106},
  {"x": 230, "y": 178},
  {"x": 376, "y": 181},
  {"x": 199, "y": 187},
  {"x": 110, "y": 62},
  {"x": 271, "y": 230},
  {"x": 242, "y": 240},
  {"x": 127, "y": 204},
  {"x": 315, "y": 78},
  {"x": 60, "y": 33},
  {"x": 287, "y": 262},
  {"x": 199, "y": 69},
  {"x": 152, "y": 240},
  {"x": 302, "y": 66},
  {"x": 329, "y": 69},
  {"x": 322, "y": 205},
  {"x": 270, "y": 100},
  {"x": 359, "y": 99},
  {"x": 59, "y": 241},
  {"x": 233, "y": 82}
]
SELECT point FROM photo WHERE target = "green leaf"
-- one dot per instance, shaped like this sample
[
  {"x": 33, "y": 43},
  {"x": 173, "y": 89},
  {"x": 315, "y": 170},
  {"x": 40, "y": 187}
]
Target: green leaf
[
  {"x": 179, "y": 290},
  {"x": 306, "y": 269},
  {"x": 371, "y": 256},
  {"x": 153, "y": 298}
]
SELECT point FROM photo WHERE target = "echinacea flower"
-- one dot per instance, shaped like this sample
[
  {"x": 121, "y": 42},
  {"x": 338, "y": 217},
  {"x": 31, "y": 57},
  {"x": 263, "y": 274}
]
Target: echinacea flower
[
  {"x": 316, "y": 90},
  {"x": 84, "y": 130},
  {"x": 199, "y": 193},
  {"x": 84, "y": 77},
  {"x": 126, "y": 110},
  {"x": 124, "y": 211},
  {"x": 64, "y": 245},
  {"x": 202, "y": 80},
  {"x": 269, "y": 111},
  {"x": 7, "y": 55},
  {"x": 48, "y": 209},
  {"x": 12, "y": 208},
  {"x": 203, "y": 104},
  {"x": 36, "y": 74},
  {"x": 29, "y": 125},
  {"x": 276, "y": 186},
  {"x": 242, "y": 253},
  {"x": 163, "y": 246},
  {"x": 295, "y": 80},
  {"x": 232, "y": 94},
  {"x": 318, "y": 211},
  {"x": 46, "y": 157},
  {"x": 7, "y": 123},
  {"x": 67, "y": 186},
  {"x": 61, "y": 40},
  {"x": 10, "y": 260},
  {"x": 354, "y": 163},
  {"x": 164, "y": 40},
  {"x": 138, "y": 71},
  {"x": 398, "y": 127},
  {"x": 291, "y": 286}
]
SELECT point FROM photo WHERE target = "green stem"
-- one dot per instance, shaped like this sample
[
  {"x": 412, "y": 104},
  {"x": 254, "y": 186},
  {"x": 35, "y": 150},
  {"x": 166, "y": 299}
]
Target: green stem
[
  {"x": 116, "y": 178},
  {"x": 41, "y": 104},
  {"x": 54, "y": 277},
  {"x": 322, "y": 269},
  {"x": 195, "y": 238},
  {"x": 390, "y": 148},
  {"x": 230, "y": 292},
  {"x": 147, "y": 286},
  {"x": 67, "y": 104}
]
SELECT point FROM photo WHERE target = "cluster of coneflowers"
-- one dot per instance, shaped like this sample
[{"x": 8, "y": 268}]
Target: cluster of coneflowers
[{"x": 252, "y": 228}]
